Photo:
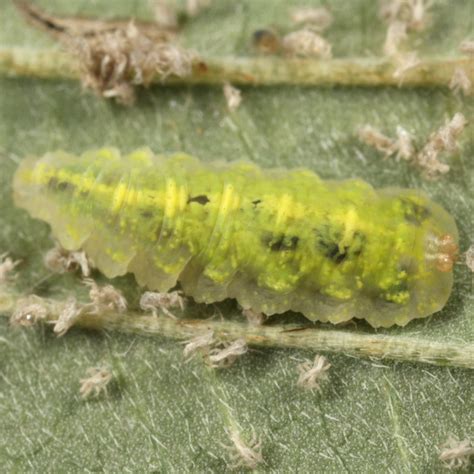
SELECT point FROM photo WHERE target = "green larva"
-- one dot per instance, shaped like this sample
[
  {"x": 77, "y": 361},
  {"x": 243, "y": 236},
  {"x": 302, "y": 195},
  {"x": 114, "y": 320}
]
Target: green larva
[{"x": 275, "y": 240}]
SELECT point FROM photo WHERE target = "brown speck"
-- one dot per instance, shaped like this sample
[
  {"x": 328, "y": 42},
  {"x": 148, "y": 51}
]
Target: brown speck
[{"x": 266, "y": 41}]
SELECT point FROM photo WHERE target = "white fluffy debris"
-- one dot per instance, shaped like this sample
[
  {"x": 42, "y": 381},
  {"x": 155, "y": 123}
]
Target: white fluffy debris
[
  {"x": 469, "y": 255},
  {"x": 29, "y": 311},
  {"x": 455, "y": 454},
  {"x": 60, "y": 260},
  {"x": 200, "y": 343},
  {"x": 396, "y": 34},
  {"x": 405, "y": 63},
  {"x": 374, "y": 138},
  {"x": 467, "y": 47},
  {"x": 114, "y": 62},
  {"x": 404, "y": 144},
  {"x": 403, "y": 16},
  {"x": 233, "y": 96},
  {"x": 164, "y": 302},
  {"x": 306, "y": 43},
  {"x": 318, "y": 19},
  {"x": 444, "y": 140},
  {"x": 419, "y": 14},
  {"x": 68, "y": 316},
  {"x": 242, "y": 454},
  {"x": 255, "y": 318},
  {"x": 33, "y": 309},
  {"x": 165, "y": 15},
  {"x": 194, "y": 7},
  {"x": 415, "y": 13},
  {"x": 311, "y": 374},
  {"x": 227, "y": 354},
  {"x": 96, "y": 381},
  {"x": 7, "y": 265},
  {"x": 104, "y": 298},
  {"x": 460, "y": 82}
]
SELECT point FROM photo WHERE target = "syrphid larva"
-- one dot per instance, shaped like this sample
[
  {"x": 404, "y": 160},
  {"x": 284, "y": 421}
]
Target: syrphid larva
[{"x": 275, "y": 240}]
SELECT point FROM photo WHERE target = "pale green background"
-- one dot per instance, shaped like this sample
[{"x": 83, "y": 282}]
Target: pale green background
[{"x": 164, "y": 415}]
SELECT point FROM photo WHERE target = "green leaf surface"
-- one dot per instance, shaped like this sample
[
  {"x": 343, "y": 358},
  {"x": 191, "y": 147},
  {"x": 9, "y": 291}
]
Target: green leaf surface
[{"x": 165, "y": 415}]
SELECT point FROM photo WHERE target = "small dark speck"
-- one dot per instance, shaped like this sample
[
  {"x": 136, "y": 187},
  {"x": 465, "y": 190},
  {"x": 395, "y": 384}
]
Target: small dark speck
[
  {"x": 201, "y": 199},
  {"x": 282, "y": 243}
]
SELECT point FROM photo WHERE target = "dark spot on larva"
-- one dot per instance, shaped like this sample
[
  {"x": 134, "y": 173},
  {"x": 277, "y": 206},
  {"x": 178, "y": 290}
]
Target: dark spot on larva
[
  {"x": 335, "y": 254},
  {"x": 408, "y": 265},
  {"x": 256, "y": 202},
  {"x": 201, "y": 199},
  {"x": 280, "y": 243},
  {"x": 57, "y": 185},
  {"x": 328, "y": 243},
  {"x": 65, "y": 186},
  {"x": 52, "y": 183},
  {"x": 146, "y": 214},
  {"x": 357, "y": 245},
  {"x": 414, "y": 213},
  {"x": 201, "y": 67}
]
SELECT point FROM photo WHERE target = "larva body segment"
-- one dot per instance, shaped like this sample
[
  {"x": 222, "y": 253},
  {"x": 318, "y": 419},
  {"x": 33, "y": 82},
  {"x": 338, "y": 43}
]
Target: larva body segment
[{"x": 275, "y": 240}]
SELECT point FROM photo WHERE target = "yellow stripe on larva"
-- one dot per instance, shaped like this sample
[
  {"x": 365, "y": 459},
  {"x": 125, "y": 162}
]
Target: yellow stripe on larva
[
  {"x": 284, "y": 209},
  {"x": 118, "y": 198},
  {"x": 182, "y": 198},
  {"x": 227, "y": 201},
  {"x": 131, "y": 198},
  {"x": 171, "y": 198},
  {"x": 350, "y": 222}
]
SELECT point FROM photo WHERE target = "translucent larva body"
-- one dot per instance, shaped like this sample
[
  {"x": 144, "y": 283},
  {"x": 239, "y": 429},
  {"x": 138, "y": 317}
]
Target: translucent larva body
[{"x": 275, "y": 240}]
